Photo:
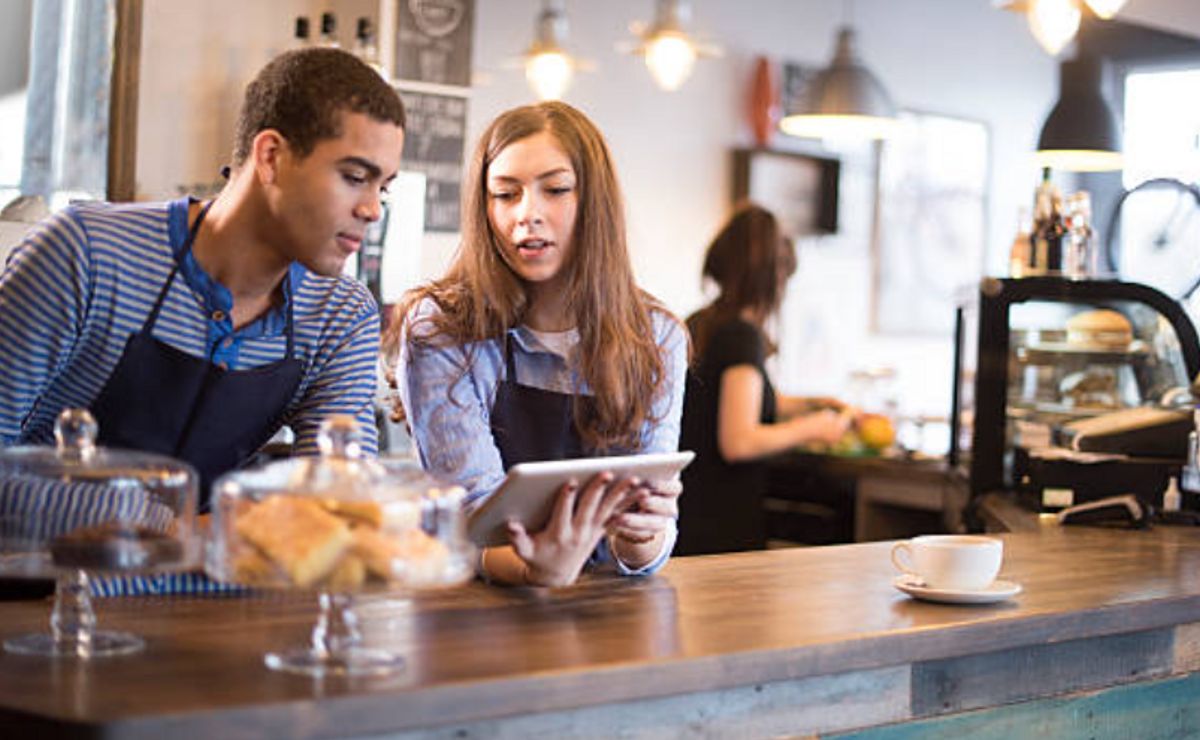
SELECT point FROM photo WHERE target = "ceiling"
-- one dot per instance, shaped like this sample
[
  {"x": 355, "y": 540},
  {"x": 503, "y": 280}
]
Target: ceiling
[{"x": 1178, "y": 16}]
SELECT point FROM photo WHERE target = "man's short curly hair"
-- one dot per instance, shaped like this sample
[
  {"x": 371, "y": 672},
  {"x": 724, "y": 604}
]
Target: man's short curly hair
[{"x": 300, "y": 94}]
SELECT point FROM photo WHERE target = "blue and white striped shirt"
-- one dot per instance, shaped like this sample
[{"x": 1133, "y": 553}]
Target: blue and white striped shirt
[
  {"x": 85, "y": 279},
  {"x": 449, "y": 413}
]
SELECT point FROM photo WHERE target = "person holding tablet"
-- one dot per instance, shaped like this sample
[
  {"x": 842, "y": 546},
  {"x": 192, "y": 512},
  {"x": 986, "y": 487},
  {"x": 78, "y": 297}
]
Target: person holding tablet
[
  {"x": 732, "y": 416},
  {"x": 538, "y": 345}
]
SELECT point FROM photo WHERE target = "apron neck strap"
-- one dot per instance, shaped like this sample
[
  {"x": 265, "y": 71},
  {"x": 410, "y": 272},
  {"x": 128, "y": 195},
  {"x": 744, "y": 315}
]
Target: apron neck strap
[
  {"x": 510, "y": 366},
  {"x": 287, "y": 292},
  {"x": 152, "y": 318}
]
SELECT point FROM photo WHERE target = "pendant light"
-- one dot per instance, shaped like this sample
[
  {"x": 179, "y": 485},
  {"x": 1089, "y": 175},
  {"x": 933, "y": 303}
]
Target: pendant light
[
  {"x": 549, "y": 69},
  {"x": 1105, "y": 9},
  {"x": 1055, "y": 22},
  {"x": 669, "y": 50},
  {"x": 1082, "y": 133},
  {"x": 845, "y": 99}
]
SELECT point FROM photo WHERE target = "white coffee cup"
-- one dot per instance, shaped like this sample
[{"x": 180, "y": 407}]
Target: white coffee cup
[{"x": 950, "y": 561}]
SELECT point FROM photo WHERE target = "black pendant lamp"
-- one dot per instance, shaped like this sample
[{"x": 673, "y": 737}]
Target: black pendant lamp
[{"x": 1081, "y": 134}]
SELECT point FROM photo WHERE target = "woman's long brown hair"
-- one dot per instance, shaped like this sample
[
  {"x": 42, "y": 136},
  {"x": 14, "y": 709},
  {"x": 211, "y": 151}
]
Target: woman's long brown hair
[
  {"x": 480, "y": 297},
  {"x": 750, "y": 261}
]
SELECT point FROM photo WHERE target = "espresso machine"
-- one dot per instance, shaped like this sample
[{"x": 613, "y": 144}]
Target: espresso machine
[{"x": 1064, "y": 416}]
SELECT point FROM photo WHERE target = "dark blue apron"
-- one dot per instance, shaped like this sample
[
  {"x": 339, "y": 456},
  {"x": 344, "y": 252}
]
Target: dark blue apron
[
  {"x": 531, "y": 424},
  {"x": 161, "y": 399}
]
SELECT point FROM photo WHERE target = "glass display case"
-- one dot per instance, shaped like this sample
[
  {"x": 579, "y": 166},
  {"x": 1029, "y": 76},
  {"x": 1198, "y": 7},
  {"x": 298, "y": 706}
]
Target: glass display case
[
  {"x": 1077, "y": 385},
  {"x": 337, "y": 525}
]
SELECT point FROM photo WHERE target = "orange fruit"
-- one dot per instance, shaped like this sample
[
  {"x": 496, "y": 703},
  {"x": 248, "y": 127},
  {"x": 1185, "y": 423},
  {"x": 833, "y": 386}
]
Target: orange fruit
[{"x": 876, "y": 431}]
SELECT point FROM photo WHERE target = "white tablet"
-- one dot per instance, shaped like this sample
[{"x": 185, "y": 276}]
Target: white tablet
[{"x": 527, "y": 493}]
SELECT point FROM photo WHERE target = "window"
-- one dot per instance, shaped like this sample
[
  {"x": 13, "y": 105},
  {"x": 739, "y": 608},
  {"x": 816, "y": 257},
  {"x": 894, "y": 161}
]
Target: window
[{"x": 1160, "y": 211}]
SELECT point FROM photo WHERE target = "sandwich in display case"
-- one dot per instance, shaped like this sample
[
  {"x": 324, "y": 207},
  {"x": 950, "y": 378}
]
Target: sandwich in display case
[{"x": 1067, "y": 391}]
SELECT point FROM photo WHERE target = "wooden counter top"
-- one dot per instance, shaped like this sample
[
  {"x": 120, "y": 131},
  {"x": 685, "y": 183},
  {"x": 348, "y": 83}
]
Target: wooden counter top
[
  {"x": 921, "y": 468},
  {"x": 480, "y": 652}
]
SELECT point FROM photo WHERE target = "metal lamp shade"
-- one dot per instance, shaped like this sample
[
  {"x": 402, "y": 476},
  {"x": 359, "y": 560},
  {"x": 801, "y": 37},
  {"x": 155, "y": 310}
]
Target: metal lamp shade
[
  {"x": 845, "y": 99},
  {"x": 1081, "y": 134}
]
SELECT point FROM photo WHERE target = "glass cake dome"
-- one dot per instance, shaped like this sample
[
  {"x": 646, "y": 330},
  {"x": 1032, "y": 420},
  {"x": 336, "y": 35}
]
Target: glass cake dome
[
  {"x": 337, "y": 524},
  {"x": 76, "y": 509}
]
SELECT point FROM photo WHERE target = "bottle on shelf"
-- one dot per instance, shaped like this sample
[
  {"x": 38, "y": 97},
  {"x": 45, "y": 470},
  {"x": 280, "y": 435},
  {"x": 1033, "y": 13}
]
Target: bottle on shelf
[
  {"x": 329, "y": 30},
  {"x": 300, "y": 37},
  {"x": 1172, "y": 497},
  {"x": 365, "y": 47},
  {"x": 1080, "y": 260},
  {"x": 1020, "y": 255},
  {"x": 1046, "y": 237}
]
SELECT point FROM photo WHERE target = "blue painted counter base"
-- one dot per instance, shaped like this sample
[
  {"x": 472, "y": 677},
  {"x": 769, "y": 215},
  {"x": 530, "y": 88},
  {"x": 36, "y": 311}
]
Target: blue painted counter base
[{"x": 1156, "y": 710}]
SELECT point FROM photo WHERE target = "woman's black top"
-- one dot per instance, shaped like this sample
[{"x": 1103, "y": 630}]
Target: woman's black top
[{"x": 721, "y": 509}]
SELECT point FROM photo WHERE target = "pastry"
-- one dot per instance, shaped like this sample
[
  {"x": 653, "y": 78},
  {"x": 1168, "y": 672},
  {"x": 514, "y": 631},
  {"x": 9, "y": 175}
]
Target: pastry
[
  {"x": 1101, "y": 329},
  {"x": 411, "y": 556},
  {"x": 376, "y": 551},
  {"x": 348, "y": 575},
  {"x": 423, "y": 559},
  {"x": 365, "y": 512},
  {"x": 298, "y": 535},
  {"x": 252, "y": 568}
]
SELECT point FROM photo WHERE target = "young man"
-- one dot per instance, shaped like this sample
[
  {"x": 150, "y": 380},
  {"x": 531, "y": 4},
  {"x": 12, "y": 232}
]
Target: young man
[{"x": 197, "y": 329}]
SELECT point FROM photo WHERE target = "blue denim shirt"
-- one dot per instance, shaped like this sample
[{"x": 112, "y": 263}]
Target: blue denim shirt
[{"x": 449, "y": 413}]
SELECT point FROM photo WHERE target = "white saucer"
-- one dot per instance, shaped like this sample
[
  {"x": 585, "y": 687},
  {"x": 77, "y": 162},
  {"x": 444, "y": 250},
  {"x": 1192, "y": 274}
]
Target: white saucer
[{"x": 998, "y": 591}]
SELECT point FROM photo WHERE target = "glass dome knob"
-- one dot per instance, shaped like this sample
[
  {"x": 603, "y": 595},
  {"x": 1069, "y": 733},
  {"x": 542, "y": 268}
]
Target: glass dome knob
[
  {"x": 339, "y": 437},
  {"x": 75, "y": 433}
]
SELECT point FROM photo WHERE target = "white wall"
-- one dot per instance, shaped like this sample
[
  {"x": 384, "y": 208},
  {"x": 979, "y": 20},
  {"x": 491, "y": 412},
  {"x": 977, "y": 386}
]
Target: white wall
[
  {"x": 957, "y": 57},
  {"x": 946, "y": 56},
  {"x": 196, "y": 61}
]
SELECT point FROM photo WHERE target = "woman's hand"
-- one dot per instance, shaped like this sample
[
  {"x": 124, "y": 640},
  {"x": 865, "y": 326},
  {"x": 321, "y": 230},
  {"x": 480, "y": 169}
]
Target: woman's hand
[
  {"x": 823, "y": 426},
  {"x": 637, "y": 534},
  {"x": 556, "y": 555},
  {"x": 654, "y": 508},
  {"x": 821, "y": 403}
]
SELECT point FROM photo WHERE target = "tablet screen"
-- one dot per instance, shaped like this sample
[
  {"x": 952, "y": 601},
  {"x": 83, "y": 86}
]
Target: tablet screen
[{"x": 528, "y": 492}]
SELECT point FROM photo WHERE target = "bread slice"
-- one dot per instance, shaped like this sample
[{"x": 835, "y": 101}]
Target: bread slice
[
  {"x": 348, "y": 575},
  {"x": 298, "y": 535},
  {"x": 365, "y": 512},
  {"x": 377, "y": 552},
  {"x": 252, "y": 569},
  {"x": 425, "y": 558}
]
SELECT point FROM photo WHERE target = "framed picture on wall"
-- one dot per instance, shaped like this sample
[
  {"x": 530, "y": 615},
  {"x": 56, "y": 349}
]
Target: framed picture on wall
[
  {"x": 433, "y": 146},
  {"x": 802, "y": 190},
  {"x": 930, "y": 222},
  {"x": 433, "y": 41}
]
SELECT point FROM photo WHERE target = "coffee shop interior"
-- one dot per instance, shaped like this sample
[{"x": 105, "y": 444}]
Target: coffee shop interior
[
  {"x": 892, "y": 235},
  {"x": 1014, "y": 322}
]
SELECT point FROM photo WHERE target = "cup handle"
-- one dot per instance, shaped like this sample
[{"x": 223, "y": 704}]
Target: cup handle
[{"x": 899, "y": 562}]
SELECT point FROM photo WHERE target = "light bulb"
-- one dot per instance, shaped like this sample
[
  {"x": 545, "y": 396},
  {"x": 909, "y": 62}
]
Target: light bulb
[
  {"x": 1053, "y": 23},
  {"x": 670, "y": 57},
  {"x": 839, "y": 127},
  {"x": 549, "y": 74},
  {"x": 1105, "y": 9},
  {"x": 1080, "y": 160}
]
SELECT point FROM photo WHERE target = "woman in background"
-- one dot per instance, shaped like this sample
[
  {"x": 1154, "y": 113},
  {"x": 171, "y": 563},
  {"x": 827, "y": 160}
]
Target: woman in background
[
  {"x": 732, "y": 416},
  {"x": 538, "y": 345}
]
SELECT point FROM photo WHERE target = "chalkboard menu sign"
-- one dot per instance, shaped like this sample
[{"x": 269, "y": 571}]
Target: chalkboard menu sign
[
  {"x": 433, "y": 41},
  {"x": 433, "y": 146}
]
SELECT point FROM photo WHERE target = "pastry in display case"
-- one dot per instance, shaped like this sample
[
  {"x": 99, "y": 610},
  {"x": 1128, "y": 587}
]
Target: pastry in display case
[
  {"x": 76, "y": 511},
  {"x": 1076, "y": 387},
  {"x": 337, "y": 525}
]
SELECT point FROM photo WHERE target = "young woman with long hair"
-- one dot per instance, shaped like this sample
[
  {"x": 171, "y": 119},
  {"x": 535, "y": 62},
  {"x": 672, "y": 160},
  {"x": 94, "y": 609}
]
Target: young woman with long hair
[
  {"x": 732, "y": 416},
  {"x": 538, "y": 345}
]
